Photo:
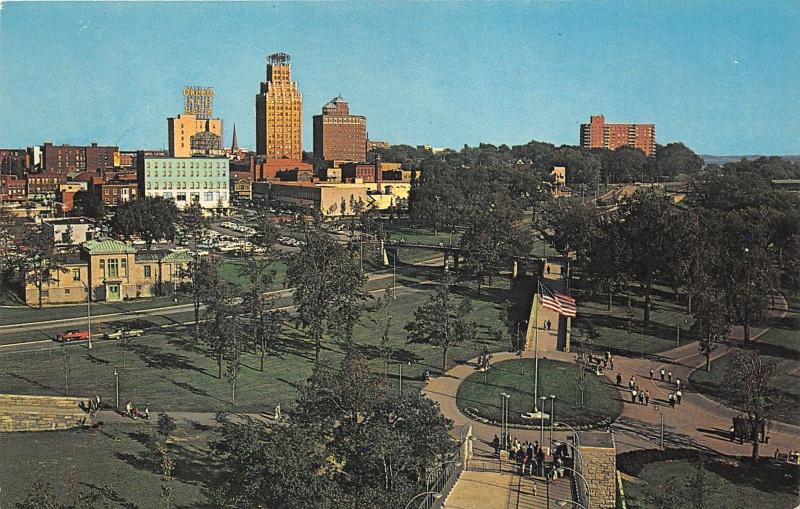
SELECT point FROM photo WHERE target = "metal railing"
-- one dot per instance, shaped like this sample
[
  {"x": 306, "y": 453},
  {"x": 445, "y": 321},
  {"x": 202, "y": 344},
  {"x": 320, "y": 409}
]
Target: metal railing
[
  {"x": 443, "y": 477},
  {"x": 581, "y": 494}
]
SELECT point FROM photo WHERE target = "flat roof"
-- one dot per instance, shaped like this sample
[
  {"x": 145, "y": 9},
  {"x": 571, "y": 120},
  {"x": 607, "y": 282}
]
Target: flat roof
[{"x": 596, "y": 439}]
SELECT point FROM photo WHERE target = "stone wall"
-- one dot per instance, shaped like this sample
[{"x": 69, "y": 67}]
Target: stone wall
[
  {"x": 599, "y": 467},
  {"x": 41, "y": 413}
]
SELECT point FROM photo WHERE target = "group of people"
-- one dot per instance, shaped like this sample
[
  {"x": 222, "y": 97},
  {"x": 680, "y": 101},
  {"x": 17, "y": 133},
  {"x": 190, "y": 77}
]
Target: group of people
[
  {"x": 135, "y": 413},
  {"x": 529, "y": 456},
  {"x": 94, "y": 404},
  {"x": 642, "y": 396},
  {"x": 636, "y": 392}
]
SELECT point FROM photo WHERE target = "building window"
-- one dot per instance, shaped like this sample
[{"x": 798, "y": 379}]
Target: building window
[
  {"x": 124, "y": 263},
  {"x": 209, "y": 196},
  {"x": 113, "y": 267},
  {"x": 148, "y": 271},
  {"x": 103, "y": 268},
  {"x": 76, "y": 274}
]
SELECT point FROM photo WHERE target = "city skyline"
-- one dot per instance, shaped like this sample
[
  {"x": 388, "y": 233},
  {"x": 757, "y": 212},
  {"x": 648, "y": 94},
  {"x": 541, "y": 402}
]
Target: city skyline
[{"x": 443, "y": 74}]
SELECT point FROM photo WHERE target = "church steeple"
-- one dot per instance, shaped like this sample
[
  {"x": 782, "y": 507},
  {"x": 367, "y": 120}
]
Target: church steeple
[{"x": 234, "y": 145}]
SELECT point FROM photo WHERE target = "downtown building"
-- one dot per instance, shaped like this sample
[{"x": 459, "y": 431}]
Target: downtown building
[
  {"x": 195, "y": 131},
  {"x": 338, "y": 135},
  {"x": 204, "y": 180},
  {"x": 74, "y": 159},
  {"x": 598, "y": 134},
  {"x": 279, "y": 112}
]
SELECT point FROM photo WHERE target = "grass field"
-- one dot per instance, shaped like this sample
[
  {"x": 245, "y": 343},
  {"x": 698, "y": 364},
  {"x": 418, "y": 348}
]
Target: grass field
[
  {"x": 515, "y": 377},
  {"x": 113, "y": 455},
  {"x": 655, "y": 480},
  {"x": 230, "y": 269},
  {"x": 616, "y": 335},
  {"x": 172, "y": 373},
  {"x": 782, "y": 344}
]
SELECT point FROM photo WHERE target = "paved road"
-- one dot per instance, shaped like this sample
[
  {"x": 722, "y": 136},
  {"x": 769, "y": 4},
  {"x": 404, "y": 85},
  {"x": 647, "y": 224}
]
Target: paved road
[
  {"x": 697, "y": 423},
  {"x": 38, "y": 335}
]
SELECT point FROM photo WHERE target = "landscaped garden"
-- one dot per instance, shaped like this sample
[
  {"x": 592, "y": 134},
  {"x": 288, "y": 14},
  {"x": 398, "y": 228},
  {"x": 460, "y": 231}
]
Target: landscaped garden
[
  {"x": 674, "y": 479},
  {"x": 479, "y": 394}
]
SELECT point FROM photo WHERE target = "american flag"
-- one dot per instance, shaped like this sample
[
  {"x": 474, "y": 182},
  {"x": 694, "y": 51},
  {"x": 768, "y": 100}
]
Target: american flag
[{"x": 558, "y": 302}]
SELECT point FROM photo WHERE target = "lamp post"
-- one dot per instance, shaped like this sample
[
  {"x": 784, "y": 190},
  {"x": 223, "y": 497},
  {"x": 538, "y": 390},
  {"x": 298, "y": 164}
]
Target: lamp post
[
  {"x": 436, "y": 496},
  {"x": 116, "y": 388},
  {"x": 88, "y": 312},
  {"x": 400, "y": 364},
  {"x": 504, "y": 418},
  {"x": 657, "y": 409},
  {"x": 394, "y": 275},
  {"x": 552, "y": 413},
  {"x": 541, "y": 438}
]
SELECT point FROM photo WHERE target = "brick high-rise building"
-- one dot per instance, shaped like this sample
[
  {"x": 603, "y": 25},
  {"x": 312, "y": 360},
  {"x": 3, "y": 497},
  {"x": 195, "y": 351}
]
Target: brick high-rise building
[
  {"x": 598, "y": 134},
  {"x": 65, "y": 159},
  {"x": 279, "y": 112},
  {"x": 338, "y": 135}
]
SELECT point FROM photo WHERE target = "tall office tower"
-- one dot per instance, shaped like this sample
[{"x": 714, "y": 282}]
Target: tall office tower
[
  {"x": 338, "y": 135},
  {"x": 195, "y": 121},
  {"x": 598, "y": 134},
  {"x": 279, "y": 112}
]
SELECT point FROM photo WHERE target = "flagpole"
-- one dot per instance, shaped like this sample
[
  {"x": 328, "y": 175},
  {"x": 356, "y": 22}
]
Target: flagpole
[{"x": 536, "y": 347}]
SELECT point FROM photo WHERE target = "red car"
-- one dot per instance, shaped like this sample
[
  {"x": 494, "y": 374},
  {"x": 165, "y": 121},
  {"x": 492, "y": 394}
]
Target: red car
[{"x": 73, "y": 335}]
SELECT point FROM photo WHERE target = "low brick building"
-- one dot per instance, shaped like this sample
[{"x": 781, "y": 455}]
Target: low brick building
[
  {"x": 12, "y": 188},
  {"x": 114, "y": 271}
]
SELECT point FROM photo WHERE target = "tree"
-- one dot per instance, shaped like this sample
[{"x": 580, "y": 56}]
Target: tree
[
  {"x": 674, "y": 159},
  {"x": 711, "y": 324},
  {"x": 607, "y": 256},
  {"x": 750, "y": 382},
  {"x": 40, "y": 496},
  {"x": 204, "y": 278},
  {"x": 441, "y": 322},
  {"x": 193, "y": 223},
  {"x": 583, "y": 167},
  {"x": 266, "y": 322},
  {"x": 166, "y": 425},
  {"x": 327, "y": 285},
  {"x": 151, "y": 218},
  {"x": 654, "y": 236},
  {"x": 627, "y": 164},
  {"x": 88, "y": 204},
  {"x": 266, "y": 232},
  {"x": 42, "y": 266},
  {"x": 221, "y": 325}
]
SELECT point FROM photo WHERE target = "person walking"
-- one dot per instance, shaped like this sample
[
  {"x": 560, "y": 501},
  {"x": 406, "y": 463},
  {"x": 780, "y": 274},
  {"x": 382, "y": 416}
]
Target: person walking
[
  {"x": 619, "y": 379},
  {"x": 678, "y": 383},
  {"x": 646, "y": 397},
  {"x": 97, "y": 402},
  {"x": 663, "y": 372},
  {"x": 529, "y": 453},
  {"x": 669, "y": 376},
  {"x": 147, "y": 411},
  {"x": 678, "y": 396},
  {"x": 277, "y": 413},
  {"x": 672, "y": 400},
  {"x": 651, "y": 373},
  {"x": 633, "y": 395},
  {"x": 611, "y": 363},
  {"x": 641, "y": 397},
  {"x": 496, "y": 444},
  {"x": 129, "y": 409}
]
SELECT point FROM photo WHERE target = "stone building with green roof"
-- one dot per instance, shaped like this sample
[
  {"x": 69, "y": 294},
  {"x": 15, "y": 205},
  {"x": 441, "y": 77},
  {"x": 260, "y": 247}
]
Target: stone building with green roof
[{"x": 113, "y": 271}]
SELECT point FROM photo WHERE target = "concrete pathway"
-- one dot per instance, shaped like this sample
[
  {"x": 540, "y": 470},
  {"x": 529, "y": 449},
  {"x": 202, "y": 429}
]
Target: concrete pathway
[{"x": 697, "y": 423}]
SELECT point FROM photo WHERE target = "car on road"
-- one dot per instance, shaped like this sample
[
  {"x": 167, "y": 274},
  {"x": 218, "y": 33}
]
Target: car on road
[
  {"x": 72, "y": 335},
  {"x": 123, "y": 333}
]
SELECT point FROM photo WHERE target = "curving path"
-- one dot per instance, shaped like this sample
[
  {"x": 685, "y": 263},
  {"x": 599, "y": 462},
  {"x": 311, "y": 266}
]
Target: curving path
[{"x": 697, "y": 423}]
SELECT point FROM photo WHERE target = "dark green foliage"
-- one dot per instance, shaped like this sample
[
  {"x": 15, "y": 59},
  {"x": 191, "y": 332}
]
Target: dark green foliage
[{"x": 151, "y": 218}]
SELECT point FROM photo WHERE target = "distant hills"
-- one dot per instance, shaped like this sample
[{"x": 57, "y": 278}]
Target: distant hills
[{"x": 709, "y": 159}]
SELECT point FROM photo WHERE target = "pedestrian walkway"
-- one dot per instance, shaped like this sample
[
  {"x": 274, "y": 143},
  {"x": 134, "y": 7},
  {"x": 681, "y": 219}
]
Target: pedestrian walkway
[
  {"x": 486, "y": 486},
  {"x": 697, "y": 422}
]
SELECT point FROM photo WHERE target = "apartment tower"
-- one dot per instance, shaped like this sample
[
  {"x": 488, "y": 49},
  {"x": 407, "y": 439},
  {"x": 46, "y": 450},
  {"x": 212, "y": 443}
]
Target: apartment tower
[
  {"x": 279, "y": 112},
  {"x": 598, "y": 134},
  {"x": 338, "y": 135}
]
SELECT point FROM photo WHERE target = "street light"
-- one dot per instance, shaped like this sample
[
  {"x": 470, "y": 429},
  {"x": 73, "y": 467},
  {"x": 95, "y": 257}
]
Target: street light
[
  {"x": 88, "y": 312},
  {"x": 541, "y": 438},
  {"x": 552, "y": 413},
  {"x": 504, "y": 417},
  {"x": 400, "y": 364},
  {"x": 436, "y": 496},
  {"x": 657, "y": 409},
  {"x": 116, "y": 387}
]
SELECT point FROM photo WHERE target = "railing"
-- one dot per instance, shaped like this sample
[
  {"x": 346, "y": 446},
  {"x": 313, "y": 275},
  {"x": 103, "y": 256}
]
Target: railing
[
  {"x": 443, "y": 477},
  {"x": 581, "y": 496}
]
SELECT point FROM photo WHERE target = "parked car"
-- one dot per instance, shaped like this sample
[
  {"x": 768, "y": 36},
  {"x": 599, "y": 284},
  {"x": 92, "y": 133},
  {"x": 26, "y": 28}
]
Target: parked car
[
  {"x": 72, "y": 335},
  {"x": 123, "y": 333}
]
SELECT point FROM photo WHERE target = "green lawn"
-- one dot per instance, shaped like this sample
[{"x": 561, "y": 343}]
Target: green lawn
[
  {"x": 229, "y": 269},
  {"x": 515, "y": 377},
  {"x": 613, "y": 327},
  {"x": 171, "y": 373},
  {"x": 412, "y": 234},
  {"x": 112, "y": 456},
  {"x": 781, "y": 344},
  {"x": 650, "y": 478}
]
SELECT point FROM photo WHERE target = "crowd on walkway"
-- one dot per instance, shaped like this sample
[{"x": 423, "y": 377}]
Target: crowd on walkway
[
  {"x": 531, "y": 458},
  {"x": 642, "y": 396}
]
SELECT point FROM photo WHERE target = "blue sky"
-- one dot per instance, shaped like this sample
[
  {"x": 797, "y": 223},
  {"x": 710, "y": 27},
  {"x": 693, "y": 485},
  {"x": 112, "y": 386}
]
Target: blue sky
[{"x": 721, "y": 76}]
